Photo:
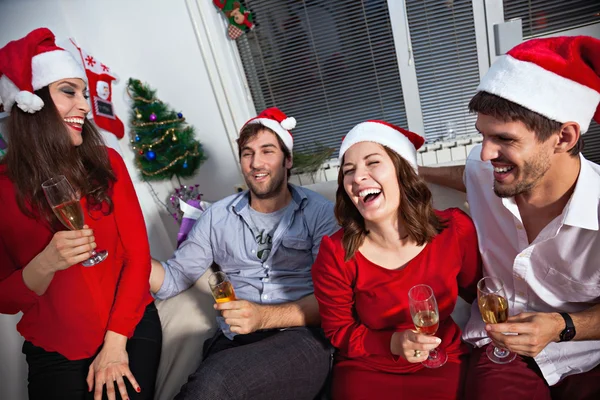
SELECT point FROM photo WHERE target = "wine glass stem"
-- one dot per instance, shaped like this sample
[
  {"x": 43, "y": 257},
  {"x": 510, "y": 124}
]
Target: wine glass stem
[
  {"x": 500, "y": 352},
  {"x": 433, "y": 354}
]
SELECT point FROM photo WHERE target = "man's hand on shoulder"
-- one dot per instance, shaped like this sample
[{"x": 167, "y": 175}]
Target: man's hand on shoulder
[
  {"x": 242, "y": 316},
  {"x": 534, "y": 332}
]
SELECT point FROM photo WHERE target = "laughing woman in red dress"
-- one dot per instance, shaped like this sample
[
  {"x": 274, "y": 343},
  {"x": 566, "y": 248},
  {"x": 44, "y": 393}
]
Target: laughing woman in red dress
[
  {"x": 391, "y": 240},
  {"x": 87, "y": 329}
]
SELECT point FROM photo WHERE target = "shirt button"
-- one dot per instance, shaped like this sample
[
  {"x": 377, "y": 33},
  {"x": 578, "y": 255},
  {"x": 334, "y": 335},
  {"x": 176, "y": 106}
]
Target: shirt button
[
  {"x": 519, "y": 226},
  {"x": 253, "y": 251},
  {"x": 265, "y": 279},
  {"x": 266, "y": 266},
  {"x": 265, "y": 296},
  {"x": 521, "y": 294}
]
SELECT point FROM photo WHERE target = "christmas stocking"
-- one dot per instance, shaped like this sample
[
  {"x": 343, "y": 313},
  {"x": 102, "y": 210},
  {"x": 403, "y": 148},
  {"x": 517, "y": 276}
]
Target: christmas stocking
[
  {"x": 239, "y": 18},
  {"x": 99, "y": 85}
]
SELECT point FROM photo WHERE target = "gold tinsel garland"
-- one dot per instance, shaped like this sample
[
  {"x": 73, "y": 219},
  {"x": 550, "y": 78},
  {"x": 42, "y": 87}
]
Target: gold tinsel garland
[
  {"x": 193, "y": 153},
  {"x": 170, "y": 131}
]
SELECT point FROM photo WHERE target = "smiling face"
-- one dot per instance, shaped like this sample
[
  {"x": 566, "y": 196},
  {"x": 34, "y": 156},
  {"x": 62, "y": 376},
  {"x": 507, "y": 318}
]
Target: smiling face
[
  {"x": 70, "y": 98},
  {"x": 371, "y": 182},
  {"x": 264, "y": 165},
  {"x": 519, "y": 159}
]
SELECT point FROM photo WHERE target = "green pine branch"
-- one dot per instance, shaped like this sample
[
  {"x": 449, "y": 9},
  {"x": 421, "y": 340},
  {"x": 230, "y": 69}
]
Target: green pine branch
[
  {"x": 165, "y": 145},
  {"x": 310, "y": 162}
]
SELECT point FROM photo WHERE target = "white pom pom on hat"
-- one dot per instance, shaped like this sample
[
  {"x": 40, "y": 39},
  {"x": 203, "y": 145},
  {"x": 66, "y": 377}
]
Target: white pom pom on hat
[
  {"x": 31, "y": 63},
  {"x": 274, "y": 119}
]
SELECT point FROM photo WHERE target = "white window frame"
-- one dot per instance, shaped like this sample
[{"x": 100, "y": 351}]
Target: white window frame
[{"x": 232, "y": 92}]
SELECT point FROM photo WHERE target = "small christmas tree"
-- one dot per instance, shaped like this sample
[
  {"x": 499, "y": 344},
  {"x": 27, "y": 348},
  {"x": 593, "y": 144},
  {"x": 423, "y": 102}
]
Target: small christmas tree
[{"x": 164, "y": 144}]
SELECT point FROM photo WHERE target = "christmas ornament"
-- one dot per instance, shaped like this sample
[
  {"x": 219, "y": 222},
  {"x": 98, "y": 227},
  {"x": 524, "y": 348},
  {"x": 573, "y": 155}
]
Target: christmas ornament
[
  {"x": 152, "y": 117},
  {"x": 138, "y": 116},
  {"x": 141, "y": 152},
  {"x": 238, "y": 17},
  {"x": 150, "y": 155},
  {"x": 179, "y": 115},
  {"x": 100, "y": 78},
  {"x": 185, "y": 164},
  {"x": 137, "y": 138}
]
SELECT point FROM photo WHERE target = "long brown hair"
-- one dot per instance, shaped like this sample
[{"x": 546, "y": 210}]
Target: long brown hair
[
  {"x": 415, "y": 211},
  {"x": 40, "y": 147}
]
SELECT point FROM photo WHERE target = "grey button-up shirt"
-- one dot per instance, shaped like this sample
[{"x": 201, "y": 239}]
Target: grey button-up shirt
[{"x": 223, "y": 235}]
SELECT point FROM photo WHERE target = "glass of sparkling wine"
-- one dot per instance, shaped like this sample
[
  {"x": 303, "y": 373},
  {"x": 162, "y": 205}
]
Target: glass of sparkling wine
[
  {"x": 64, "y": 201},
  {"x": 493, "y": 306},
  {"x": 221, "y": 287},
  {"x": 425, "y": 315}
]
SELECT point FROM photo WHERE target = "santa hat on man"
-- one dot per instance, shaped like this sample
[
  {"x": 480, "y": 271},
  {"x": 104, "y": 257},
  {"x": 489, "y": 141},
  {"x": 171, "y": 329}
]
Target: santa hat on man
[
  {"x": 403, "y": 142},
  {"x": 558, "y": 78},
  {"x": 31, "y": 63},
  {"x": 274, "y": 119}
]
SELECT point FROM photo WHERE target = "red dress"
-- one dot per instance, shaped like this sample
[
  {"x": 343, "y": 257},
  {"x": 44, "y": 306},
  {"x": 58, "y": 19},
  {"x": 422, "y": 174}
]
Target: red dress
[
  {"x": 363, "y": 304},
  {"x": 81, "y": 303}
]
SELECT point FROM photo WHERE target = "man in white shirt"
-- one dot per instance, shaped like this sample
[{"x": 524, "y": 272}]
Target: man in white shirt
[{"x": 535, "y": 201}]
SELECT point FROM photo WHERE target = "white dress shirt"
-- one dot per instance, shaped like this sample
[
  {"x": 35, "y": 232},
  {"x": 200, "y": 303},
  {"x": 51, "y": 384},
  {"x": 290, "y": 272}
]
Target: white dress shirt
[{"x": 559, "y": 271}]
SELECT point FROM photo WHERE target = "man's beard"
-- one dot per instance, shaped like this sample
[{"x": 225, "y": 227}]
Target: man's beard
[
  {"x": 272, "y": 189},
  {"x": 532, "y": 172}
]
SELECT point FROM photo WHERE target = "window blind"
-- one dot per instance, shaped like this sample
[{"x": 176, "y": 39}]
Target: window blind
[
  {"x": 546, "y": 16},
  {"x": 328, "y": 65},
  {"x": 445, "y": 53}
]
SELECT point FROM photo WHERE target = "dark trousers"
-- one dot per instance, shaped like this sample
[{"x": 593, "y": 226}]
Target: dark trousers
[
  {"x": 522, "y": 379},
  {"x": 52, "y": 376},
  {"x": 292, "y": 364}
]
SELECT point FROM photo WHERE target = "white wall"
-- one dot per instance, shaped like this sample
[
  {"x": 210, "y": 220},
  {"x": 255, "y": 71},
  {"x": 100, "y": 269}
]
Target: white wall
[{"x": 156, "y": 42}]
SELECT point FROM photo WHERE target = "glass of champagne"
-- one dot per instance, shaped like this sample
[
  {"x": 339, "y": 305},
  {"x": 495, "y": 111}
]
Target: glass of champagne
[
  {"x": 493, "y": 306},
  {"x": 425, "y": 315},
  {"x": 64, "y": 201},
  {"x": 221, "y": 287}
]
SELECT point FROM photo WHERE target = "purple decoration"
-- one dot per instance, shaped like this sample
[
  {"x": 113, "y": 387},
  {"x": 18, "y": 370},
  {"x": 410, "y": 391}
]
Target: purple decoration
[{"x": 152, "y": 117}]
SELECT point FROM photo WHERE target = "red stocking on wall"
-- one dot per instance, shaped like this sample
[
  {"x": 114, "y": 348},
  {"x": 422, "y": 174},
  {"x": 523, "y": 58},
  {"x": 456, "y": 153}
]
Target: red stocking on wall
[{"x": 100, "y": 81}]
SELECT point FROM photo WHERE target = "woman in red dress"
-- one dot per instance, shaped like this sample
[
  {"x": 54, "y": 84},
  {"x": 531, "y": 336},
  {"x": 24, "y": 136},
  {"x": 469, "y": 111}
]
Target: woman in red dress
[
  {"x": 391, "y": 240},
  {"x": 87, "y": 329}
]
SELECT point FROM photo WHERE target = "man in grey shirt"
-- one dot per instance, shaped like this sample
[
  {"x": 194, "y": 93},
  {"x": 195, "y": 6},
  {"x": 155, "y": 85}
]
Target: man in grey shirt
[{"x": 265, "y": 239}]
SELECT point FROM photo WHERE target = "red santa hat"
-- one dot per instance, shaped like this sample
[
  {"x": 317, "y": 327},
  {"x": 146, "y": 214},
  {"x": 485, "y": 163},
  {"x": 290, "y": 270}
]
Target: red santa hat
[
  {"x": 31, "y": 63},
  {"x": 274, "y": 119},
  {"x": 403, "y": 142},
  {"x": 555, "y": 77}
]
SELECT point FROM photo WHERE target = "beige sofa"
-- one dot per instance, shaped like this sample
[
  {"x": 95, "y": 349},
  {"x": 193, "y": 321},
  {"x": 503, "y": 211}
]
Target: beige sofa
[{"x": 189, "y": 318}]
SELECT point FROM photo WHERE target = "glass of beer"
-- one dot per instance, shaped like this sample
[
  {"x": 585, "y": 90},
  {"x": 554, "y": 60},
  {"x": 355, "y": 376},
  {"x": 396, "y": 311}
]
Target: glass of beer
[
  {"x": 493, "y": 306},
  {"x": 221, "y": 287},
  {"x": 64, "y": 202},
  {"x": 425, "y": 315}
]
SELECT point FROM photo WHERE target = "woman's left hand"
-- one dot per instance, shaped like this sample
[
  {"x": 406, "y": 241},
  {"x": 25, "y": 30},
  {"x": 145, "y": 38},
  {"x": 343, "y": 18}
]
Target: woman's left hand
[{"x": 110, "y": 366}]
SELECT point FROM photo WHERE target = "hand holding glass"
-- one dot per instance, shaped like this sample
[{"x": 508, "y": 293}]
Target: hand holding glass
[
  {"x": 493, "y": 306},
  {"x": 221, "y": 287},
  {"x": 65, "y": 204},
  {"x": 425, "y": 315}
]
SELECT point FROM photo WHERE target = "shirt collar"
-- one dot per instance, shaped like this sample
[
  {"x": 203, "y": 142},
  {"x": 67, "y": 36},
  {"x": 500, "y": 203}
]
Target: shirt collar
[
  {"x": 582, "y": 209},
  {"x": 243, "y": 200}
]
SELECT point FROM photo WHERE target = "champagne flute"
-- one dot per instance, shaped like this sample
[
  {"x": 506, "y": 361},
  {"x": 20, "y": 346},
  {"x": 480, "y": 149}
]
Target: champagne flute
[
  {"x": 221, "y": 287},
  {"x": 493, "y": 306},
  {"x": 65, "y": 204},
  {"x": 426, "y": 317}
]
